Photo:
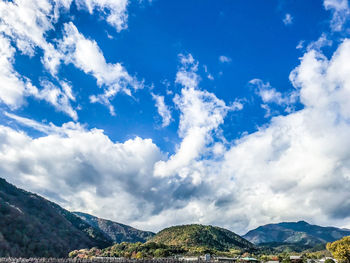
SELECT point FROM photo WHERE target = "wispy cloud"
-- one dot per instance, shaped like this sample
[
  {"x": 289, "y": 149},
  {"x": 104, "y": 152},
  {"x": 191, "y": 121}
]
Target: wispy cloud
[
  {"x": 163, "y": 109},
  {"x": 340, "y": 13},
  {"x": 86, "y": 55},
  {"x": 288, "y": 19},
  {"x": 225, "y": 59}
]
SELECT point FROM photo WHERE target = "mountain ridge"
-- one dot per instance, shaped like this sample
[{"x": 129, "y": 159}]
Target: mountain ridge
[
  {"x": 196, "y": 235},
  {"x": 116, "y": 231},
  {"x": 32, "y": 226},
  {"x": 298, "y": 233}
]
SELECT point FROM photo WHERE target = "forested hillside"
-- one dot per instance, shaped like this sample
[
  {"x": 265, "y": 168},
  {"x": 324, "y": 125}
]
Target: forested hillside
[
  {"x": 116, "y": 231},
  {"x": 31, "y": 226},
  {"x": 201, "y": 236}
]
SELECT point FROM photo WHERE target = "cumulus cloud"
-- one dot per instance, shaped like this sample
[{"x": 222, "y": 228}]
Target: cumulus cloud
[
  {"x": 298, "y": 165},
  {"x": 90, "y": 171},
  {"x": 87, "y": 56},
  {"x": 340, "y": 10},
  {"x": 201, "y": 115},
  {"x": 163, "y": 109}
]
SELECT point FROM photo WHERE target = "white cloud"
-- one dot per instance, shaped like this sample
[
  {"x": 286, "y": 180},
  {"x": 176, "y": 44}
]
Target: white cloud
[
  {"x": 46, "y": 128},
  {"x": 13, "y": 86},
  {"x": 60, "y": 99},
  {"x": 209, "y": 75},
  {"x": 340, "y": 10},
  {"x": 288, "y": 19},
  {"x": 114, "y": 10},
  {"x": 320, "y": 43},
  {"x": 201, "y": 115},
  {"x": 237, "y": 105},
  {"x": 300, "y": 44},
  {"x": 187, "y": 76},
  {"x": 163, "y": 110},
  {"x": 297, "y": 166},
  {"x": 87, "y": 56},
  {"x": 269, "y": 94},
  {"x": 225, "y": 59},
  {"x": 27, "y": 23},
  {"x": 90, "y": 171}
]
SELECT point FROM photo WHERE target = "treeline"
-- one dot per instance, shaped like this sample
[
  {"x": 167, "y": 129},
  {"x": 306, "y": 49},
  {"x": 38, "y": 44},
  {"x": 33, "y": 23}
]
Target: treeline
[
  {"x": 130, "y": 251},
  {"x": 92, "y": 260},
  {"x": 150, "y": 250}
]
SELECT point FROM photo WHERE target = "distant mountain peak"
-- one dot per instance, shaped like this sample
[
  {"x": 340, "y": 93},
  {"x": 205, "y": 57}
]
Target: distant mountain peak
[
  {"x": 301, "y": 233},
  {"x": 302, "y": 222}
]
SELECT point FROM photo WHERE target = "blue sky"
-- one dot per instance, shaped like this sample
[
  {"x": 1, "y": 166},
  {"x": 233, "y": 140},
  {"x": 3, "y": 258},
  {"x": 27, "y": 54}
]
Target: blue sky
[
  {"x": 154, "y": 113},
  {"x": 257, "y": 44}
]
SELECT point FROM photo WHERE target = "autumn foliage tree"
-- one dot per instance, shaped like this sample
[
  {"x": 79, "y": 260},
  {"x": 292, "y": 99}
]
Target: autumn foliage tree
[{"x": 340, "y": 249}]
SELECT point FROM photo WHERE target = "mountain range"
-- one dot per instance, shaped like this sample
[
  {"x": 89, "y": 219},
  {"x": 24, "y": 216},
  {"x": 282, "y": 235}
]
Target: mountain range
[
  {"x": 32, "y": 226},
  {"x": 300, "y": 234}
]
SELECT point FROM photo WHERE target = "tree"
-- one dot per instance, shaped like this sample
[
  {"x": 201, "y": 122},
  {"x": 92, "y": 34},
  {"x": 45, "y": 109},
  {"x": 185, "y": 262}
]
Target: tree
[
  {"x": 160, "y": 253},
  {"x": 139, "y": 255},
  {"x": 340, "y": 249}
]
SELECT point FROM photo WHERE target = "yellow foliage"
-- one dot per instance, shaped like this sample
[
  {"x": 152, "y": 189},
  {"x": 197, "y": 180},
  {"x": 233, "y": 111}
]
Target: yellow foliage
[{"x": 340, "y": 249}]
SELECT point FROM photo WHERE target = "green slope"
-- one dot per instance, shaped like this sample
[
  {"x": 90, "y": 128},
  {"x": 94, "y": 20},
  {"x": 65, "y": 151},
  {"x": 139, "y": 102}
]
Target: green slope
[
  {"x": 31, "y": 226},
  {"x": 201, "y": 236}
]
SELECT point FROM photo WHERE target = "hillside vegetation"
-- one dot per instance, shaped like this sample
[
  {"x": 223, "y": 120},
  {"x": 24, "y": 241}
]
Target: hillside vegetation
[
  {"x": 31, "y": 226},
  {"x": 184, "y": 240},
  {"x": 340, "y": 249},
  {"x": 116, "y": 231},
  {"x": 192, "y": 236}
]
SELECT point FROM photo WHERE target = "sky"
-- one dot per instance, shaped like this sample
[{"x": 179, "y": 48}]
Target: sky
[{"x": 234, "y": 113}]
